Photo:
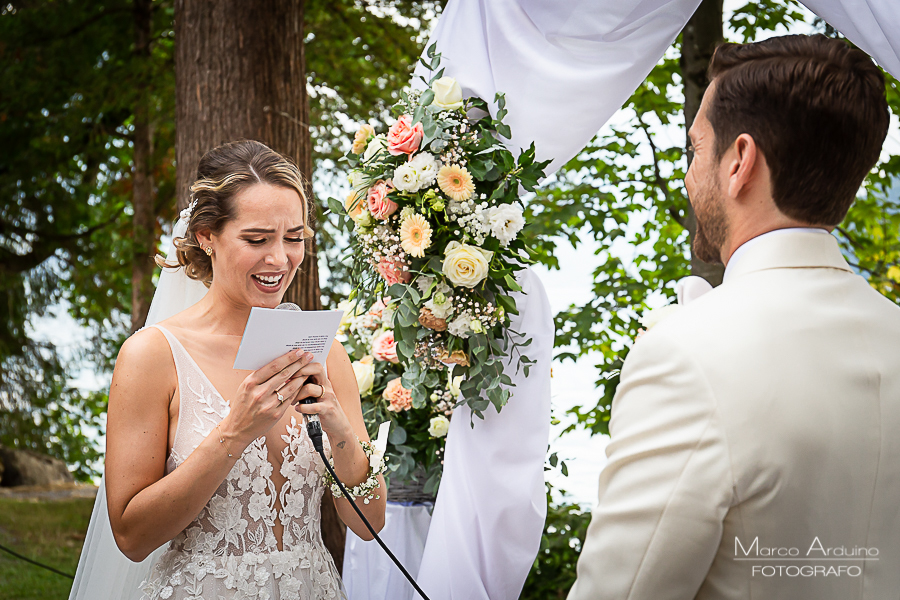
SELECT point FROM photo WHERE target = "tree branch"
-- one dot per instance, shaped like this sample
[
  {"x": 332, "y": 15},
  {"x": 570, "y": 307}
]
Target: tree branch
[{"x": 659, "y": 181}]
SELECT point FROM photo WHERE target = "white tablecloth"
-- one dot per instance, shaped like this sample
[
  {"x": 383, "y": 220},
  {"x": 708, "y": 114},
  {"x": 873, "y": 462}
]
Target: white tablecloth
[{"x": 369, "y": 574}]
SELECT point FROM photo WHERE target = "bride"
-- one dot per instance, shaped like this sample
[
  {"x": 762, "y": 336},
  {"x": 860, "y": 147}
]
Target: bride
[{"x": 215, "y": 461}]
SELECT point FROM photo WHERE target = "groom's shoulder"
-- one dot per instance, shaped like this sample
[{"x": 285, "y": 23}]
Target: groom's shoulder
[{"x": 748, "y": 311}]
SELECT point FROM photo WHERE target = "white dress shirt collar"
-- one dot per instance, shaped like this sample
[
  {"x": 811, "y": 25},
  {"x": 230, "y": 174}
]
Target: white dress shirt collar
[{"x": 736, "y": 255}]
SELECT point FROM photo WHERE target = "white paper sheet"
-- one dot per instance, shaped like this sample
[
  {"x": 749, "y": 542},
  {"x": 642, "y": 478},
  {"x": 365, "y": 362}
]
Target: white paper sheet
[{"x": 271, "y": 333}]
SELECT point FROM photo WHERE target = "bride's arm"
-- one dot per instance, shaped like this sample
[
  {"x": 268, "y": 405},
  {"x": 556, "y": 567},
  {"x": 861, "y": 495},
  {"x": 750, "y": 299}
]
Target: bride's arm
[
  {"x": 147, "y": 508},
  {"x": 341, "y": 416}
]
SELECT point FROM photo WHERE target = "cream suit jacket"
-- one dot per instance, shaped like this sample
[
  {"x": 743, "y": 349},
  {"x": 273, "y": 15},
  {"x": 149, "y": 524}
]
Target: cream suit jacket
[{"x": 767, "y": 408}]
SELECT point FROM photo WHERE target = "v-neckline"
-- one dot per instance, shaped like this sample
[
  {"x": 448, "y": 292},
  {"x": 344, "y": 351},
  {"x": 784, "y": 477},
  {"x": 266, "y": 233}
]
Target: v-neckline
[{"x": 196, "y": 365}]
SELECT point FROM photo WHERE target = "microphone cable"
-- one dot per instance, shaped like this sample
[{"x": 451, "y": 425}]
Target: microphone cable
[{"x": 314, "y": 430}]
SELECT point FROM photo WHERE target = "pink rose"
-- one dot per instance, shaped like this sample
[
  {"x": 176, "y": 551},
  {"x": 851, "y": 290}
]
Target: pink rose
[
  {"x": 385, "y": 348},
  {"x": 404, "y": 137},
  {"x": 380, "y": 205},
  {"x": 393, "y": 271}
]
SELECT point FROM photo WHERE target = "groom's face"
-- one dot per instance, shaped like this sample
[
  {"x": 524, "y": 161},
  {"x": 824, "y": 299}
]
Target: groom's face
[{"x": 704, "y": 188}]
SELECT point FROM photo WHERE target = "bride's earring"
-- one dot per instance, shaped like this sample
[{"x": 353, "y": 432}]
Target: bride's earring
[{"x": 208, "y": 250}]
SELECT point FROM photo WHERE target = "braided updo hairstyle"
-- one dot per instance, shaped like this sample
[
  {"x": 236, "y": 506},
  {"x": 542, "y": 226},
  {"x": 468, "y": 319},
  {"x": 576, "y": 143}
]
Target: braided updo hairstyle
[{"x": 222, "y": 173}]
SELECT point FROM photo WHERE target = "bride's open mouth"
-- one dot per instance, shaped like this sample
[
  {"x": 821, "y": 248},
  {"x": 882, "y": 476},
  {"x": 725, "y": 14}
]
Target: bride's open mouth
[{"x": 268, "y": 282}]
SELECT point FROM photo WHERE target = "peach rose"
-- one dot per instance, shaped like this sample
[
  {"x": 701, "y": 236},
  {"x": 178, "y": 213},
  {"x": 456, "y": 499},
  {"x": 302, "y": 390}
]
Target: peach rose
[
  {"x": 361, "y": 140},
  {"x": 385, "y": 348},
  {"x": 377, "y": 199},
  {"x": 399, "y": 397},
  {"x": 393, "y": 271},
  {"x": 404, "y": 137},
  {"x": 354, "y": 205}
]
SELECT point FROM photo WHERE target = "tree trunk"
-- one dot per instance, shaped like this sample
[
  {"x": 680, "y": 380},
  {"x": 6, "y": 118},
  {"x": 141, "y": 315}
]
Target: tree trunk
[
  {"x": 700, "y": 37},
  {"x": 240, "y": 73},
  {"x": 144, "y": 219}
]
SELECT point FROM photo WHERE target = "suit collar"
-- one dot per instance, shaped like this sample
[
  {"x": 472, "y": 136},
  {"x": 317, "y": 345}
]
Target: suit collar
[{"x": 794, "y": 249}]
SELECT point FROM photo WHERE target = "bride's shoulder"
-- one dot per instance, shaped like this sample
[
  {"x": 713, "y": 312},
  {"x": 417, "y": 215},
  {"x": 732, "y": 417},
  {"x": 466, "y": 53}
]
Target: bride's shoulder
[{"x": 146, "y": 346}]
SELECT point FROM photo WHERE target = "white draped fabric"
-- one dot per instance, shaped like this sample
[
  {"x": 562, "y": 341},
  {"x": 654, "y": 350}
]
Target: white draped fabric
[
  {"x": 490, "y": 509},
  {"x": 368, "y": 572},
  {"x": 873, "y": 25},
  {"x": 565, "y": 65}
]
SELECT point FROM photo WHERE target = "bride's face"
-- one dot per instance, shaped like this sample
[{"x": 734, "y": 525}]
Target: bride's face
[{"x": 256, "y": 255}]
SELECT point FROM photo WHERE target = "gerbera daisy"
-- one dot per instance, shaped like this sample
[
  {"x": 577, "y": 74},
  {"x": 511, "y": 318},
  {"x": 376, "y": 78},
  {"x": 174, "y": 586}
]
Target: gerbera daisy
[
  {"x": 415, "y": 235},
  {"x": 456, "y": 182}
]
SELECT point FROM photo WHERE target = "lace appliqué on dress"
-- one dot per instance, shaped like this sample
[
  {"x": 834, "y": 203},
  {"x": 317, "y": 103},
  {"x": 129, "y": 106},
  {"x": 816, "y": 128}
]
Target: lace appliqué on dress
[{"x": 230, "y": 551}]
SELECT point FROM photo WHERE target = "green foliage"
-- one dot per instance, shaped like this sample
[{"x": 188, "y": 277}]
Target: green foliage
[
  {"x": 553, "y": 572},
  {"x": 625, "y": 189},
  {"x": 65, "y": 163},
  {"x": 49, "y": 532}
]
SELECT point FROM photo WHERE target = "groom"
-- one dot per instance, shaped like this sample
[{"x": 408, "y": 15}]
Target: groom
[{"x": 755, "y": 435}]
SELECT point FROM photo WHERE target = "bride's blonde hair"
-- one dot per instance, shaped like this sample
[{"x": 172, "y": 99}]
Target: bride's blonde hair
[{"x": 222, "y": 173}]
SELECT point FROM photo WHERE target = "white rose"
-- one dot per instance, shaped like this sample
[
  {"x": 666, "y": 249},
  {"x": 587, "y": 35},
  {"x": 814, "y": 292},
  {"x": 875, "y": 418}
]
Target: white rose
[
  {"x": 379, "y": 142},
  {"x": 365, "y": 376},
  {"x": 426, "y": 167},
  {"x": 658, "y": 314},
  {"x": 453, "y": 386},
  {"x": 349, "y": 308},
  {"x": 447, "y": 93},
  {"x": 439, "y": 426},
  {"x": 466, "y": 265},
  {"x": 505, "y": 222},
  {"x": 406, "y": 179}
]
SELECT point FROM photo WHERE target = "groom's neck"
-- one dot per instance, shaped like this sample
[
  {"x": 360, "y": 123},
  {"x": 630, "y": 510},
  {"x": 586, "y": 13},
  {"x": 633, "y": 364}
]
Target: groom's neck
[{"x": 753, "y": 220}]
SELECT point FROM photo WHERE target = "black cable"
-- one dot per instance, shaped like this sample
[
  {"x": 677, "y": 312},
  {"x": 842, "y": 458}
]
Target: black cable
[
  {"x": 314, "y": 430},
  {"x": 34, "y": 562}
]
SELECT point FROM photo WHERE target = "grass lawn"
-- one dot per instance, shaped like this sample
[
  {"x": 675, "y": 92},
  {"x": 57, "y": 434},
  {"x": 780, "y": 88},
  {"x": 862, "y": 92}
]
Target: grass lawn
[{"x": 48, "y": 532}]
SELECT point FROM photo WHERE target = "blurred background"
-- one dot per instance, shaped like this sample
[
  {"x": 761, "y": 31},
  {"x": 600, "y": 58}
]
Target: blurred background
[{"x": 105, "y": 108}]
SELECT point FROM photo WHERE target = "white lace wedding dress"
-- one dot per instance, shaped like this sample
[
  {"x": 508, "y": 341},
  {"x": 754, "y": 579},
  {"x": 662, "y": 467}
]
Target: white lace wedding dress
[{"x": 231, "y": 550}]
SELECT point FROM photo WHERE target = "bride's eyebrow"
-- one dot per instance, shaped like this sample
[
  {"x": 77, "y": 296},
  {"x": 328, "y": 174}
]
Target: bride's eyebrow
[{"x": 259, "y": 230}]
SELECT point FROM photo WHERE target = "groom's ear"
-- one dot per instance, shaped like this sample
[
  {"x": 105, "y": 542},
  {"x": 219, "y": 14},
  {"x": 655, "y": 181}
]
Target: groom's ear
[{"x": 744, "y": 164}]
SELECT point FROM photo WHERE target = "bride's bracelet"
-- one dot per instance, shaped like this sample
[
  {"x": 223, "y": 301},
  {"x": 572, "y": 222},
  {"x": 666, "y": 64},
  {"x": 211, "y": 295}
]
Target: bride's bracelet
[{"x": 366, "y": 489}]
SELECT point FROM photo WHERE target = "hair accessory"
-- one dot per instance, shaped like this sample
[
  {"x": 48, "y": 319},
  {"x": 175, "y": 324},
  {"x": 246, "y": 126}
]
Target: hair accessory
[{"x": 186, "y": 213}]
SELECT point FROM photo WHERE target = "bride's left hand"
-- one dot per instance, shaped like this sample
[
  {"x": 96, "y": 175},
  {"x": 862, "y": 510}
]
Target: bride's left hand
[{"x": 318, "y": 387}]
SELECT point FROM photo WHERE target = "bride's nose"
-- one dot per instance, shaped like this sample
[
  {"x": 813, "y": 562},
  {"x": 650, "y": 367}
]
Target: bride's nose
[{"x": 277, "y": 255}]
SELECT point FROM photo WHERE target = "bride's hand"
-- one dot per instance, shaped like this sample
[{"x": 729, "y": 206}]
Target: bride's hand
[
  {"x": 318, "y": 387},
  {"x": 256, "y": 408}
]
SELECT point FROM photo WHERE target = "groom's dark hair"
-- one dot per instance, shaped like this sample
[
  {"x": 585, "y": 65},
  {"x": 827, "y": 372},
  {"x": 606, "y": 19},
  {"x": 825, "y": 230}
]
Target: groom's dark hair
[{"x": 817, "y": 111}]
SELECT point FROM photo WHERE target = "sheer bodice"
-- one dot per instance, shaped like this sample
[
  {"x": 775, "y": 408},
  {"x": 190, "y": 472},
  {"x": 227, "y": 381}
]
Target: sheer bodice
[{"x": 235, "y": 548}]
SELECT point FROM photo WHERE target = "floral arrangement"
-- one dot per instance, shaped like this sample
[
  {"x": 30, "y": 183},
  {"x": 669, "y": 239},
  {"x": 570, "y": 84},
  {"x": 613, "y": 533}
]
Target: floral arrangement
[
  {"x": 416, "y": 441},
  {"x": 436, "y": 242}
]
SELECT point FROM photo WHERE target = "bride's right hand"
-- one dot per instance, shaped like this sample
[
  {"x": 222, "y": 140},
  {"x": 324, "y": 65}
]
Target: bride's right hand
[{"x": 256, "y": 408}]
